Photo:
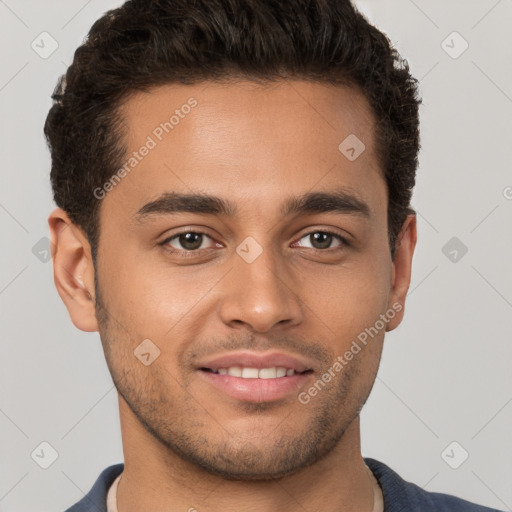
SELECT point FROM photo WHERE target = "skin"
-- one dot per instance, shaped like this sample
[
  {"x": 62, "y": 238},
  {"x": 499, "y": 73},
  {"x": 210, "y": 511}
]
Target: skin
[{"x": 186, "y": 444}]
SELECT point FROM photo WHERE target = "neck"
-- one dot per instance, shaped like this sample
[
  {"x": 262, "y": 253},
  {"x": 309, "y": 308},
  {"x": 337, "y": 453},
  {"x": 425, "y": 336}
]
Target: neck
[{"x": 154, "y": 478}]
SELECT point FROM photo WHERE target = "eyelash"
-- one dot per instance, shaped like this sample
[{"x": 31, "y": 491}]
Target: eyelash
[{"x": 192, "y": 253}]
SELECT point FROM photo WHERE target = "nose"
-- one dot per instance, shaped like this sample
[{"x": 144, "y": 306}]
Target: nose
[{"x": 259, "y": 295}]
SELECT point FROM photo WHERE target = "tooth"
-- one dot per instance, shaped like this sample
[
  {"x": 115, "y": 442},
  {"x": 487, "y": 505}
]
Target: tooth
[
  {"x": 235, "y": 371},
  {"x": 250, "y": 373},
  {"x": 267, "y": 373},
  {"x": 280, "y": 371},
  {"x": 255, "y": 373}
]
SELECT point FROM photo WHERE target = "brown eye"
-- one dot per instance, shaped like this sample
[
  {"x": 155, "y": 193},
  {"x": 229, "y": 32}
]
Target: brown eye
[
  {"x": 321, "y": 240},
  {"x": 188, "y": 241}
]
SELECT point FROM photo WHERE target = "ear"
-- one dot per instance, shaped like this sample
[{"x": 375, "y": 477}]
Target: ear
[
  {"x": 73, "y": 270},
  {"x": 401, "y": 272}
]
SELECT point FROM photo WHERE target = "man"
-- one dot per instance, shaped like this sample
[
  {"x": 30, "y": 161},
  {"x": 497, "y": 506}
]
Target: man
[{"x": 234, "y": 182}]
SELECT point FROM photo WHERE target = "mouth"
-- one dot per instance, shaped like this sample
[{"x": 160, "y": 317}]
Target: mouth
[
  {"x": 255, "y": 377},
  {"x": 273, "y": 372}
]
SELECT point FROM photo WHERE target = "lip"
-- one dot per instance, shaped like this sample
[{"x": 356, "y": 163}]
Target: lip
[
  {"x": 256, "y": 390},
  {"x": 249, "y": 359}
]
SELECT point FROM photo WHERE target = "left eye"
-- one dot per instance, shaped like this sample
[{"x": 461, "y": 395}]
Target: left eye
[{"x": 323, "y": 240}]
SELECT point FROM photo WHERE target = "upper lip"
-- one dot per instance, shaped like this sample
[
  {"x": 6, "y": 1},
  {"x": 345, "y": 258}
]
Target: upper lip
[{"x": 249, "y": 359}]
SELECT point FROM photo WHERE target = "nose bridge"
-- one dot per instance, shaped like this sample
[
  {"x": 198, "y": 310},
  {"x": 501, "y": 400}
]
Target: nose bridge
[{"x": 257, "y": 291}]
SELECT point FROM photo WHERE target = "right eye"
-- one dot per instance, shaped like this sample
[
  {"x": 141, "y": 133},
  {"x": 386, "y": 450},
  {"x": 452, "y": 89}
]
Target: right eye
[{"x": 189, "y": 241}]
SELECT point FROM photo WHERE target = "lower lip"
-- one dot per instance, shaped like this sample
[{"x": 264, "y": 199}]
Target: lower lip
[{"x": 256, "y": 390}]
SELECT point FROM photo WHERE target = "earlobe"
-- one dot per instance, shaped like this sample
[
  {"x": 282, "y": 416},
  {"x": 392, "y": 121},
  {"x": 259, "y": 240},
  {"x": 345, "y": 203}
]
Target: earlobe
[
  {"x": 401, "y": 271},
  {"x": 73, "y": 270}
]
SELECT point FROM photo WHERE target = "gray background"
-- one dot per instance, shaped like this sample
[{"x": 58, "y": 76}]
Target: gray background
[{"x": 445, "y": 375}]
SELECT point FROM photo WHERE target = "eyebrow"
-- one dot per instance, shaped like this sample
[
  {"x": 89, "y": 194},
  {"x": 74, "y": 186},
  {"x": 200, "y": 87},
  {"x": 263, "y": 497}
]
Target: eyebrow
[{"x": 310, "y": 203}]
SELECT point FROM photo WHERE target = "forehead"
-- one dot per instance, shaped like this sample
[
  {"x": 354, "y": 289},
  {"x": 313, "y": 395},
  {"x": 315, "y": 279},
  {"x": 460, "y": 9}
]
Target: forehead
[
  {"x": 248, "y": 141},
  {"x": 321, "y": 109}
]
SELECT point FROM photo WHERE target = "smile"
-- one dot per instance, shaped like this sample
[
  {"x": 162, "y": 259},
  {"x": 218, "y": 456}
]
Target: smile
[{"x": 275, "y": 372}]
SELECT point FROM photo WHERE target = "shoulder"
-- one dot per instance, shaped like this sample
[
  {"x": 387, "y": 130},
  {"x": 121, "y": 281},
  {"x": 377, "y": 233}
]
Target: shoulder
[
  {"x": 401, "y": 496},
  {"x": 96, "y": 499}
]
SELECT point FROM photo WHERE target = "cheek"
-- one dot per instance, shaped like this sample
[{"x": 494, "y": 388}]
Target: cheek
[
  {"x": 157, "y": 301},
  {"x": 348, "y": 307},
  {"x": 348, "y": 297}
]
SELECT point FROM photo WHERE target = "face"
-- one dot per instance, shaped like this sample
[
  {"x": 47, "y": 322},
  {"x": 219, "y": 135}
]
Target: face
[{"x": 222, "y": 312}]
